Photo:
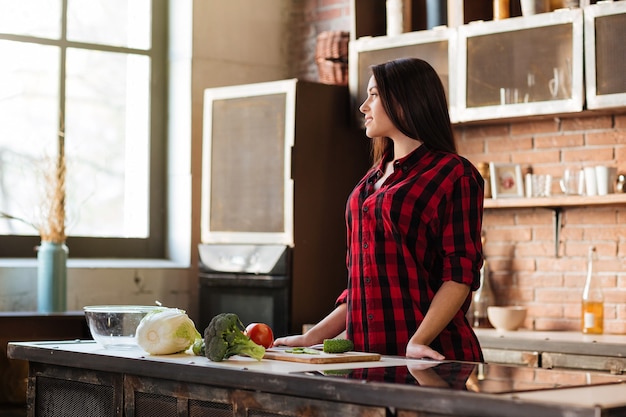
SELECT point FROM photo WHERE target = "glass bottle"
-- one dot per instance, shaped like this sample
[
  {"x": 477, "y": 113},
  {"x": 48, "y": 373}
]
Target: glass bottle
[
  {"x": 593, "y": 300},
  {"x": 483, "y": 298},
  {"x": 620, "y": 184}
]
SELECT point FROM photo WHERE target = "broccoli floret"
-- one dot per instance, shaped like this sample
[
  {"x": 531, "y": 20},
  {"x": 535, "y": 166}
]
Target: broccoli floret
[
  {"x": 338, "y": 345},
  {"x": 198, "y": 347},
  {"x": 224, "y": 338}
]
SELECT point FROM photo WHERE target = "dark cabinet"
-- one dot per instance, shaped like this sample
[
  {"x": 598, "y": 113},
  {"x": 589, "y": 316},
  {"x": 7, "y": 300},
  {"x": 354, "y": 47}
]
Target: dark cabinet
[
  {"x": 70, "y": 392},
  {"x": 279, "y": 161}
]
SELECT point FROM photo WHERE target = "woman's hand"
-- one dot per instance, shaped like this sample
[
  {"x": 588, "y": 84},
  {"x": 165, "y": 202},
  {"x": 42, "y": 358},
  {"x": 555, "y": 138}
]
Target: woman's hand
[
  {"x": 332, "y": 325},
  {"x": 425, "y": 376},
  {"x": 298, "y": 340},
  {"x": 414, "y": 350},
  {"x": 445, "y": 305}
]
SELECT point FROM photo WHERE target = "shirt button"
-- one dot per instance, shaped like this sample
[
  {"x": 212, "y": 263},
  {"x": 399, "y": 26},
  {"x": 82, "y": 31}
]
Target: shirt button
[
  {"x": 365, "y": 245},
  {"x": 365, "y": 208},
  {"x": 370, "y": 316},
  {"x": 367, "y": 280}
]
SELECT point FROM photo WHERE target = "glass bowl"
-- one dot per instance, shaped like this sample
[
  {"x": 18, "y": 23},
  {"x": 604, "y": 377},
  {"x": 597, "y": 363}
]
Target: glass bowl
[{"x": 114, "y": 326}]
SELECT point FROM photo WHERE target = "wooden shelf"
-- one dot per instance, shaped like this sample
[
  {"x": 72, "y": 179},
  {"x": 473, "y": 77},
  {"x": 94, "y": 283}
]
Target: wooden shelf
[{"x": 556, "y": 202}]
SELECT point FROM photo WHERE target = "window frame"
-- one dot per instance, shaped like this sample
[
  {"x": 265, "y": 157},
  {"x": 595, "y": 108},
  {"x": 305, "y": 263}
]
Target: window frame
[{"x": 152, "y": 247}]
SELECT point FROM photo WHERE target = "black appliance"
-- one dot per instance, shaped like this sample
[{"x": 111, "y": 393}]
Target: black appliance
[{"x": 249, "y": 280}]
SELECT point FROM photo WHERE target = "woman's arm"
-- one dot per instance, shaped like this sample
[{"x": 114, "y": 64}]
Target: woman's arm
[
  {"x": 331, "y": 326},
  {"x": 445, "y": 305}
]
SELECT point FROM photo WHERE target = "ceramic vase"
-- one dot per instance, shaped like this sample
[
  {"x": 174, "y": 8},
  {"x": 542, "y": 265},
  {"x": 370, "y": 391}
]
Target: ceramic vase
[{"x": 52, "y": 277}]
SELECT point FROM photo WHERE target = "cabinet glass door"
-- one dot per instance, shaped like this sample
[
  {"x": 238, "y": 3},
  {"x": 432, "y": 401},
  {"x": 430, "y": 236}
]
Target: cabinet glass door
[
  {"x": 437, "y": 47},
  {"x": 248, "y": 133},
  {"x": 521, "y": 66},
  {"x": 605, "y": 55}
]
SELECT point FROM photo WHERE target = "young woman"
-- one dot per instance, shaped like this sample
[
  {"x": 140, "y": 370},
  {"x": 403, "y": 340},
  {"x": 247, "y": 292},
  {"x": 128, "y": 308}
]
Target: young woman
[{"x": 414, "y": 225}]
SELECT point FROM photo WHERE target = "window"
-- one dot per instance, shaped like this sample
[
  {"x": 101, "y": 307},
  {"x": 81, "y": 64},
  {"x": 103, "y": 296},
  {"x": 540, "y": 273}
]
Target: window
[{"x": 93, "y": 71}]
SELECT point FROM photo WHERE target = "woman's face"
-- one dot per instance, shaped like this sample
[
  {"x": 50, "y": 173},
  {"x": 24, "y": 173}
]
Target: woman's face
[{"x": 377, "y": 123}]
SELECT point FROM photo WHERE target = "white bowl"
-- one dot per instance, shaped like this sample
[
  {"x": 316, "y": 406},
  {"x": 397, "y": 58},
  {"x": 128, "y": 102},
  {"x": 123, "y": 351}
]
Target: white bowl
[
  {"x": 506, "y": 317},
  {"x": 114, "y": 326}
]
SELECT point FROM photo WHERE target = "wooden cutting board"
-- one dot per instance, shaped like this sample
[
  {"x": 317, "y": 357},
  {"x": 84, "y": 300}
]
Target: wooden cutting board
[{"x": 322, "y": 357}]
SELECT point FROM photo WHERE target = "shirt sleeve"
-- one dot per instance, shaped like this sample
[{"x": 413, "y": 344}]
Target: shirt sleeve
[
  {"x": 461, "y": 230},
  {"x": 343, "y": 298}
]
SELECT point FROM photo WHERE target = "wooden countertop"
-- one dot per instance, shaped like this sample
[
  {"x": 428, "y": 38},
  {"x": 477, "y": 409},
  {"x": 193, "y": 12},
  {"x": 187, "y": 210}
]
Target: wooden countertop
[
  {"x": 286, "y": 378},
  {"x": 546, "y": 341}
]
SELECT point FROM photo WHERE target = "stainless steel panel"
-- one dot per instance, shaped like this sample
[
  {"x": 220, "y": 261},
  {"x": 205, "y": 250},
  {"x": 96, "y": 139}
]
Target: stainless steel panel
[{"x": 251, "y": 259}]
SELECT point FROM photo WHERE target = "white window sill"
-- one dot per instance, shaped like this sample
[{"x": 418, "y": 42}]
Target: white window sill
[{"x": 99, "y": 263}]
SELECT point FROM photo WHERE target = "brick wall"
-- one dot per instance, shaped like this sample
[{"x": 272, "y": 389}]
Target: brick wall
[
  {"x": 520, "y": 243},
  {"x": 525, "y": 267},
  {"x": 310, "y": 18}
]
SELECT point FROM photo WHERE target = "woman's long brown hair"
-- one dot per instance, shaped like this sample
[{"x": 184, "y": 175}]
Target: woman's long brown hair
[{"x": 414, "y": 99}]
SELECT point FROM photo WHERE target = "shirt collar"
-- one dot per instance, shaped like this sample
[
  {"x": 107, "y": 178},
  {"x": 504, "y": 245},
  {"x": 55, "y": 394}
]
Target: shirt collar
[{"x": 408, "y": 160}]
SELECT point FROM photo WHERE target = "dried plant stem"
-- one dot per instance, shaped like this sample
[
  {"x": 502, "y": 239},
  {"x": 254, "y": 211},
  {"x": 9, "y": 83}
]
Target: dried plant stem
[
  {"x": 54, "y": 231},
  {"x": 4, "y": 215}
]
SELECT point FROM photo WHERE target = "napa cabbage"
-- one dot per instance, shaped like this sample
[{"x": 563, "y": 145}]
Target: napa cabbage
[{"x": 166, "y": 331}]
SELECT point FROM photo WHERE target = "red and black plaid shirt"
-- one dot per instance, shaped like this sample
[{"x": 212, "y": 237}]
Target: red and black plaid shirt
[{"x": 421, "y": 228}]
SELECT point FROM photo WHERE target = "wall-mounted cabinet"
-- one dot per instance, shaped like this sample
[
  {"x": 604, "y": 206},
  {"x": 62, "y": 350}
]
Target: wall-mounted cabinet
[
  {"x": 438, "y": 47},
  {"x": 605, "y": 55},
  {"x": 545, "y": 64},
  {"x": 369, "y": 17},
  {"x": 521, "y": 66}
]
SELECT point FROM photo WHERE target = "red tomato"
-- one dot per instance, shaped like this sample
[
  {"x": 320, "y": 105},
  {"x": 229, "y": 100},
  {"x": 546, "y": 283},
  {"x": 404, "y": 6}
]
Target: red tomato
[{"x": 261, "y": 334}]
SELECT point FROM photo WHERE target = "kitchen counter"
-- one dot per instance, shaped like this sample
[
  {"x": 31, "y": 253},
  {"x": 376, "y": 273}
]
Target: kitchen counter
[
  {"x": 563, "y": 342},
  {"x": 553, "y": 349},
  {"x": 31, "y": 326},
  {"x": 138, "y": 384}
]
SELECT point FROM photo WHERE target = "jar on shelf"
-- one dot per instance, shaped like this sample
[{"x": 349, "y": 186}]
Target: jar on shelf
[
  {"x": 500, "y": 9},
  {"x": 620, "y": 184},
  {"x": 483, "y": 169}
]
